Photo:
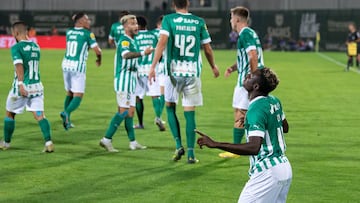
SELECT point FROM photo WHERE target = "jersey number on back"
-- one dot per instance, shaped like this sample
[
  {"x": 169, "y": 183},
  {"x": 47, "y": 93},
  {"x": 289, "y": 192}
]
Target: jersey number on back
[
  {"x": 71, "y": 48},
  {"x": 185, "y": 43},
  {"x": 33, "y": 70}
]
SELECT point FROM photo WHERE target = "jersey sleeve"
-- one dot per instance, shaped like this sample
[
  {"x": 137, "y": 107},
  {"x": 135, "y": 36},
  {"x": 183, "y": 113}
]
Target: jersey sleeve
[
  {"x": 248, "y": 41},
  {"x": 204, "y": 33},
  {"x": 256, "y": 121},
  {"x": 16, "y": 55},
  {"x": 165, "y": 26},
  {"x": 124, "y": 46},
  {"x": 92, "y": 40},
  {"x": 112, "y": 32}
]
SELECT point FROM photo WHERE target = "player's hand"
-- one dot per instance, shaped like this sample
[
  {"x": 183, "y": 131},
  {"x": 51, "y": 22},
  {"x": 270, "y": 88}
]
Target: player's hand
[
  {"x": 98, "y": 63},
  {"x": 216, "y": 71},
  {"x": 152, "y": 74},
  {"x": 23, "y": 91},
  {"x": 228, "y": 72},
  {"x": 148, "y": 50},
  {"x": 205, "y": 140}
]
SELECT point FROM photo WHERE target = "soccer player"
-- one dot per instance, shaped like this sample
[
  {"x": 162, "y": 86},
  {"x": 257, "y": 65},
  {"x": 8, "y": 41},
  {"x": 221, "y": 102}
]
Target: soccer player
[
  {"x": 144, "y": 39},
  {"x": 78, "y": 41},
  {"x": 125, "y": 81},
  {"x": 353, "y": 46},
  {"x": 27, "y": 90},
  {"x": 249, "y": 58},
  {"x": 183, "y": 34},
  {"x": 270, "y": 170}
]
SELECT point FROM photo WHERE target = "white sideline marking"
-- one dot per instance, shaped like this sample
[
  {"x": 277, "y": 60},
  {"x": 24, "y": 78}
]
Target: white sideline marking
[{"x": 336, "y": 62}]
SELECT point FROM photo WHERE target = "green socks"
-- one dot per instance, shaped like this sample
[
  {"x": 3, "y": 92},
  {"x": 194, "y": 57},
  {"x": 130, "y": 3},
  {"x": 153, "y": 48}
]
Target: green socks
[
  {"x": 238, "y": 134},
  {"x": 162, "y": 103},
  {"x": 190, "y": 133},
  {"x": 174, "y": 125},
  {"x": 73, "y": 104},
  {"x": 140, "y": 110},
  {"x": 156, "y": 104},
  {"x": 115, "y": 122},
  {"x": 9, "y": 126},
  {"x": 67, "y": 101},
  {"x": 45, "y": 129},
  {"x": 129, "y": 122}
]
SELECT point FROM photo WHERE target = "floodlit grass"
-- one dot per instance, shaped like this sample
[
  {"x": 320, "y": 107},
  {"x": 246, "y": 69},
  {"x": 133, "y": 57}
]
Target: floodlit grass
[{"x": 321, "y": 103}]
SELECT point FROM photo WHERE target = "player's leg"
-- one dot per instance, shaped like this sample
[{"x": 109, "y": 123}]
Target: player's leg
[
  {"x": 240, "y": 105},
  {"x": 14, "y": 105},
  {"x": 192, "y": 97},
  {"x": 140, "y": 90},
  {"x": 77, "y": 90},
  {"x": 349, "y": 63},
  {"x": 106, "y": 141},
  {"x": 171, "y": 98},
  {"x": 154, "y": 92},
  {"x": 129, "y": 123},
  {"x": 358, "y": 57},
  {"x": 36, "y": 106},
  {"x": 161, "y": 79}
]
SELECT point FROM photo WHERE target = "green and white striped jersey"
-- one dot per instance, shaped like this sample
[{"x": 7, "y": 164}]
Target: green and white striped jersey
[
  {"x": 186, "y": 33},
  {"x": 248, "y": 40},
  {"x": 126, "y": 69},
  {"x": 116, "y": 30},
  {"x": 264, "y": 119},
  {"x": 27, "y": 53},
  {"x": 78, "y": 41},
  {"x": 144, "y": 39},
  {"x": 160, "y": 68}
]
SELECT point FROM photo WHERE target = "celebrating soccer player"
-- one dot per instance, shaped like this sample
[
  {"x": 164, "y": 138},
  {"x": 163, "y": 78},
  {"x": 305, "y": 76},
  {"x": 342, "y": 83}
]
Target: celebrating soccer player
[
  {"x": 270, "y": 170},
  {"x": 125, "y": 81},
  {"x": 249, "y": 58},
  {"x": 78, "y": 41},
  {"x": 183, "y": 34},
  {"x": 27, "y": 90}
]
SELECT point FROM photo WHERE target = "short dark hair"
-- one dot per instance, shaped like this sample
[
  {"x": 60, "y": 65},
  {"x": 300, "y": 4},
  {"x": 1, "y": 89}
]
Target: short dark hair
[
  {"x": 268, "y": 80},
  {"x": 123, "y": 13},
  {"x": 159, "y": 19},
  {"x": 77, "y": 16},
  {"x": 142, "y": 22},
  {"x": 180, "y": 3},
  {"x": 20, "y": 26}
]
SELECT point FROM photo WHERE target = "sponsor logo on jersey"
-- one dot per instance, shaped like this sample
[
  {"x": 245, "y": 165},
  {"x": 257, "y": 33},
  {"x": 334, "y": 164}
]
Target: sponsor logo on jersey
[
  {"x": 27, "y": 48},
  {"x": 178, "y": 20}
]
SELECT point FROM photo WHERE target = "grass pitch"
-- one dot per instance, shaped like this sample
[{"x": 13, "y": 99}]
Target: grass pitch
[{"x": 321, "y": 103}]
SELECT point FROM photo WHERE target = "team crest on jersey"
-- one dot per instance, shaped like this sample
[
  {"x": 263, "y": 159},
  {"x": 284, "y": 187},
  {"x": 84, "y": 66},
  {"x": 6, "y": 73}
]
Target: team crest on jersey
[
  {"x": 125, "y": 43},
  {"x": 92, "y": 35}
]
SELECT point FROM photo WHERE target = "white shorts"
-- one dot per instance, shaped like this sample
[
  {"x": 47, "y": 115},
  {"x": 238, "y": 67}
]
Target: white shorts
[
  {"x": 271, "y": 185},
  {"x": 74, "y": 81},
  {"x": 240, "y": 98},
  {"x": 161, "y": 78},
  {"x": 189, "y": 88},
  {"x": 143, "y": 88},
  {"x": 16, "y": 104},
  {"x": 125, "y": 100}
]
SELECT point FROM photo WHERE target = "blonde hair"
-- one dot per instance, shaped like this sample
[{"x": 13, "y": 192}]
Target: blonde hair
[
  {"x": 242, "y": 12},
  {"x": 125, "y": 18}
]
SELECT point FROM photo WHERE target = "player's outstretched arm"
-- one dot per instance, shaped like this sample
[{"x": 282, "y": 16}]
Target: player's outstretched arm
[
  {"x": 285, "y": 126},
  {"x": 253, "y": 56},
  {"x": 210, "y": 58},
  {"x": 250, "y": 148}
]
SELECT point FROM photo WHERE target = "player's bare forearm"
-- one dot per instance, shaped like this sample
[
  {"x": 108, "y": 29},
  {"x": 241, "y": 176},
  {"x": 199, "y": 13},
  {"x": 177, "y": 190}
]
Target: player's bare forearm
[
  {"x": 253, "y": 60},
  {"x": 210, "y": 58},
  {"x": 19, "y": 69},
  {"x": 131, "y": 55},
  {"x": 250, "y": 148}
]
